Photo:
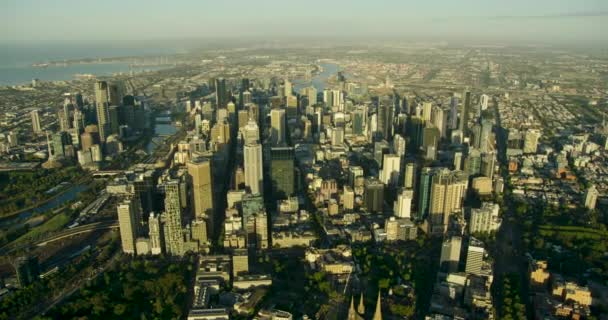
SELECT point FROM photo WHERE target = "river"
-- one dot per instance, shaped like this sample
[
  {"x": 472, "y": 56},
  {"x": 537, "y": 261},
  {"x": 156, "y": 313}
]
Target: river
[
  {"x": 69, "y": 195},
  {"x": 163, "y": 128},
  {"x": 319, "y": 81}
]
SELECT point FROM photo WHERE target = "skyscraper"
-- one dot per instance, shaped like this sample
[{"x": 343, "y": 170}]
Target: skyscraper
[
  {"x": 475, "y": 254},
  {"x": 591, "y": 197},
  {"x": 424, "y": 192},
  {"x": 277, "y": 126},
  {"x": 374, "y": 195},
  {"x": 282, "y": 172},
  {"x": 531, "y": 141},
  {"x": 385, "y": 118},
  {"x": 287, "y": 88},
  {"x": 102, "y": 106},
  {"x": 156, "y": 234},
  {"x": 36, "y": 121},
  {"x": 359, "y": 121},
  {"x": 201, "y": 178},
  {"x": 410, "y": 175},
  {"x": 464, "y": 116},
  {"x": 174, "y": 239},
  {"x": 447, "y": 193},
  {"x": 403, "y": 204},
  {"x": 427, "y": 109},
  {"x": 450, "y": 254},
  {"x": 391, "y": 169},
  {"x": 221, "y": 95},
  {"x": 453, "y": 119},
  {"x": 128, "y": 213},
  {"x": 254, "y": 178}
]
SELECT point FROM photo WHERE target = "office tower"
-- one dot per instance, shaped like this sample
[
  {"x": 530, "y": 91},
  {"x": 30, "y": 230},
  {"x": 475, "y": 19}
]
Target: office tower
[
  {"x": 355, "y": 172},
  {"x": 28, "y": 270},
  {"x": 448, "y": 189},
  {"x": 483, "y": 101},
  {"x": 484, "y": 219},
  {"x": 359, "y": 121},
  {"x": 220, "y": 133},
  {"x": 201, "y": 178},
  {"x": 128, "y": 221},
  {"x": 113, "y": 112},
  {"x": 221, "y": 94},
  {"x": 257, "y": 230},
  {"x": 458, "y": 160},
  {"x": 103, "y": 114},
  {"x": 450, "y": 254},
  {"x": 251, "y": 132},
  {"x": 277, "y": 126},
  {"x": 311, "y": 93},
  {"x": 63, "y": 121},
  {"x": 242, "y": 118},
  {"x": 439, "y": 120},
  {"x": 385, "y": 118},
  {"x": 114, "y": 94},
  {"x": 254, "y": 178},
  {"x": 475, "y": 254},
  {"x": 488, "y": 162},
  {"x": 380, "y": 149},
  {"x": 287, "y": 88},
  {"x": 415, "y": 127},
  {"x": 391, "y": 170},
  {"x": 374, "y": 195},
  {"x": 453, "y": 118},
  {"x": 36, "y": 121},
  {"x": 328, "y": 98},
  {"x": 156, "y": 234},
  {"x": 174, "y": 239},
  {"x": 240, "y": 262},
  {"x": 424, "y": 192},
  {"x": 399, "y": 145},
  {"x": 78, "y": 122},
  {"x": 472, "y": 164},
  {"x": 337, "y": 136},
  {"x": 410, "y": 175},
  {"x": 403, "y": 204},
  {"x": 348, "y": 198},
  {"x": 282, "y": 172},
  {"x": 427, "y": 109},
  {"x": 464, "y": 116},
  {"x": 591, "y": 197},
  {"x": 531, "y": 141},
  {"x": 60, "y": 141},
  {"x": 485, "y": 142}
]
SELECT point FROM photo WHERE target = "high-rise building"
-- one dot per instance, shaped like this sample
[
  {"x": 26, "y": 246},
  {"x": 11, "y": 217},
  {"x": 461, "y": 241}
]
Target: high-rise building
[
  {"x": 282, "y": 172},
  {"x": 129, "y": 212},
  {"x": 472, "y": 164},
  {"x": 485, "y": 140},
  {"x": 173, "y": 229},
  {"x": 374, "y": 195},
  {"x": 464, "y": 116},
  {"x": 409, "y": 180},
  {"x": 277, "y": 126},
  {"x": 424, "y": 192},
  {"x": 156, "y": 234},
  {"x": 221, "y": 94},
  {"x": 453, "y": 118},
  {"x": 531, "y": 141},
  {"x": 102, "y": 106},
  {"x": 427, "y": 109},
  {"x": 448, "y": 190},
  {"x": 403, "y": 204},
  {"x": 287, "y": 88},
  {"x": 591, "y": 197},
  {"x": 359, "y": 121},
  {"x": 385, "y": 118},
  {"x": 328, "y": 98},
  {"x": 36, "y": 121},
  {"x": 450, "y": 254},
  {"x": 254, "y": 178},
  {"x": 391, "y": 170},
  {"x": 251, "y": 132},
  {"x": 201, "y": 178},
  {"x": 440, "y": 120},
  {"x": 475, "y": 254},
  {"x": 484, "y": 219},
  {"x": 484, "y": 100}
]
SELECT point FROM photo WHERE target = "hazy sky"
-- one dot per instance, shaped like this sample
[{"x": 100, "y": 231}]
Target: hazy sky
[{"x": 583, "y": 21}]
